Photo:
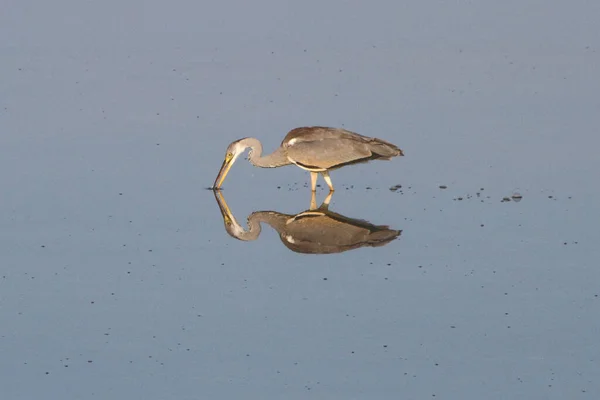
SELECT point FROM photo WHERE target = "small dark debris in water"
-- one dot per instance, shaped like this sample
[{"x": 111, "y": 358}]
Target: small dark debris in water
[
  {"x": 517, "y": 197},
  {"x": 452, "y": 326},
  {"x": 278, "y": 187},
  {"x": 481, "y": 189},
  {"x": 549, "y": 197},
  {"x": 368, "y": 188},
  {"x": 395, "y": 188},
  {"x": 482, "y": 225},
  {"x": 385, "y": 345},
  {"x": 324, "y": 279},
  {"x": 443, "y": 187},
  {"x": 43, "y": 245},
  {"x": 505, "y": 199}
]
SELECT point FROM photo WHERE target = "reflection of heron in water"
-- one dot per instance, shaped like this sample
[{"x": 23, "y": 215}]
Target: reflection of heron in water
[
  {"x": 315, "y": 149},
  {"x": 315, "y": 231}
]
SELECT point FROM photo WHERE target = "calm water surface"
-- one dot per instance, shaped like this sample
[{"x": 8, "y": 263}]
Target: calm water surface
[{"x": 118, "y": 278}]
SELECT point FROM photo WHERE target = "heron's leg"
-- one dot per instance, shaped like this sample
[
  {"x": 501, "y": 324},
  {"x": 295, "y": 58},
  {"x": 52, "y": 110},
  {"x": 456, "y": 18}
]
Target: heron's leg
[
  {"x": 313, "y": 181},
  {"x": 328, "y": 180},
  {"x": 313, "y": 200}
]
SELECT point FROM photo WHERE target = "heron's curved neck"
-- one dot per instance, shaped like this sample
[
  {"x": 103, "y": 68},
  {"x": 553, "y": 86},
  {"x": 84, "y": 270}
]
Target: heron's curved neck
[{"x": 275, "y": 159}]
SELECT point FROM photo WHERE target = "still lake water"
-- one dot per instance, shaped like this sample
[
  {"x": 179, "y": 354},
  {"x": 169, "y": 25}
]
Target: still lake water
[{"x": 119, "y": 280}]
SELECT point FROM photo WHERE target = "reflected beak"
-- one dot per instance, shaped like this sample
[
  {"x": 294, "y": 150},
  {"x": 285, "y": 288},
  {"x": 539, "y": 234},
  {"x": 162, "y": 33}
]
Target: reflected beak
[
  {"x": 223, "y": 173},
  {"x": 225, "y": 212}
]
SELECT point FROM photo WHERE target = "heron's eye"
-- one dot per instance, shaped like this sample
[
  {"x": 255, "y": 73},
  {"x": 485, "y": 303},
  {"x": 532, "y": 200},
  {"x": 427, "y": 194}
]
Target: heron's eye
[{"x": 229, "y": 155}]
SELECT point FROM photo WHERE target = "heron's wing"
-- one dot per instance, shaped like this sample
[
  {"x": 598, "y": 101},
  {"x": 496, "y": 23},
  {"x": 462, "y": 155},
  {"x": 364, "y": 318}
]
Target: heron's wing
[
  {"x": 327, "y": 153},
  {"x": 311, "y": 133}
]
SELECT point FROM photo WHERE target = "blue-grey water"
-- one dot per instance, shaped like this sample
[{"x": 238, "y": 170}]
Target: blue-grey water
[{"x": 118, "y": 279}]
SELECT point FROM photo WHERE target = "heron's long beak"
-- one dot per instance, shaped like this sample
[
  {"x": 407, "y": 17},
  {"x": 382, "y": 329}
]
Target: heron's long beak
[{"x": 227, "y": 163}]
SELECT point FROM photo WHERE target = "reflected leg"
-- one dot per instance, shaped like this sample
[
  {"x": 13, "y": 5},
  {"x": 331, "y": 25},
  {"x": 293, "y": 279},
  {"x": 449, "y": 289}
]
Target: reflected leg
[
  {"x": 313, "y": 200},
  {"x": 326, "y": 202}
]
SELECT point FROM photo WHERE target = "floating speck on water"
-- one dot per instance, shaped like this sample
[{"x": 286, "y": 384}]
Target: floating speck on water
[
  {"x": 395, "y": 188},
  {"x": 443, "y": 187},
  {"x": 517, "y": 197},
  {"x": 505, "y": 199}
]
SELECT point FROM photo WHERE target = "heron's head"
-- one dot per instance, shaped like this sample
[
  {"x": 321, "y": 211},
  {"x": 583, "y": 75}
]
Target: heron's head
[{"x": 233, "y": 152}]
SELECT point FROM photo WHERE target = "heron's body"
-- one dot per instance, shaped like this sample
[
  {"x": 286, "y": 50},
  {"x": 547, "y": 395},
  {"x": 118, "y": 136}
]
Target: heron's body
[{"x": 316, "y": 149}]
